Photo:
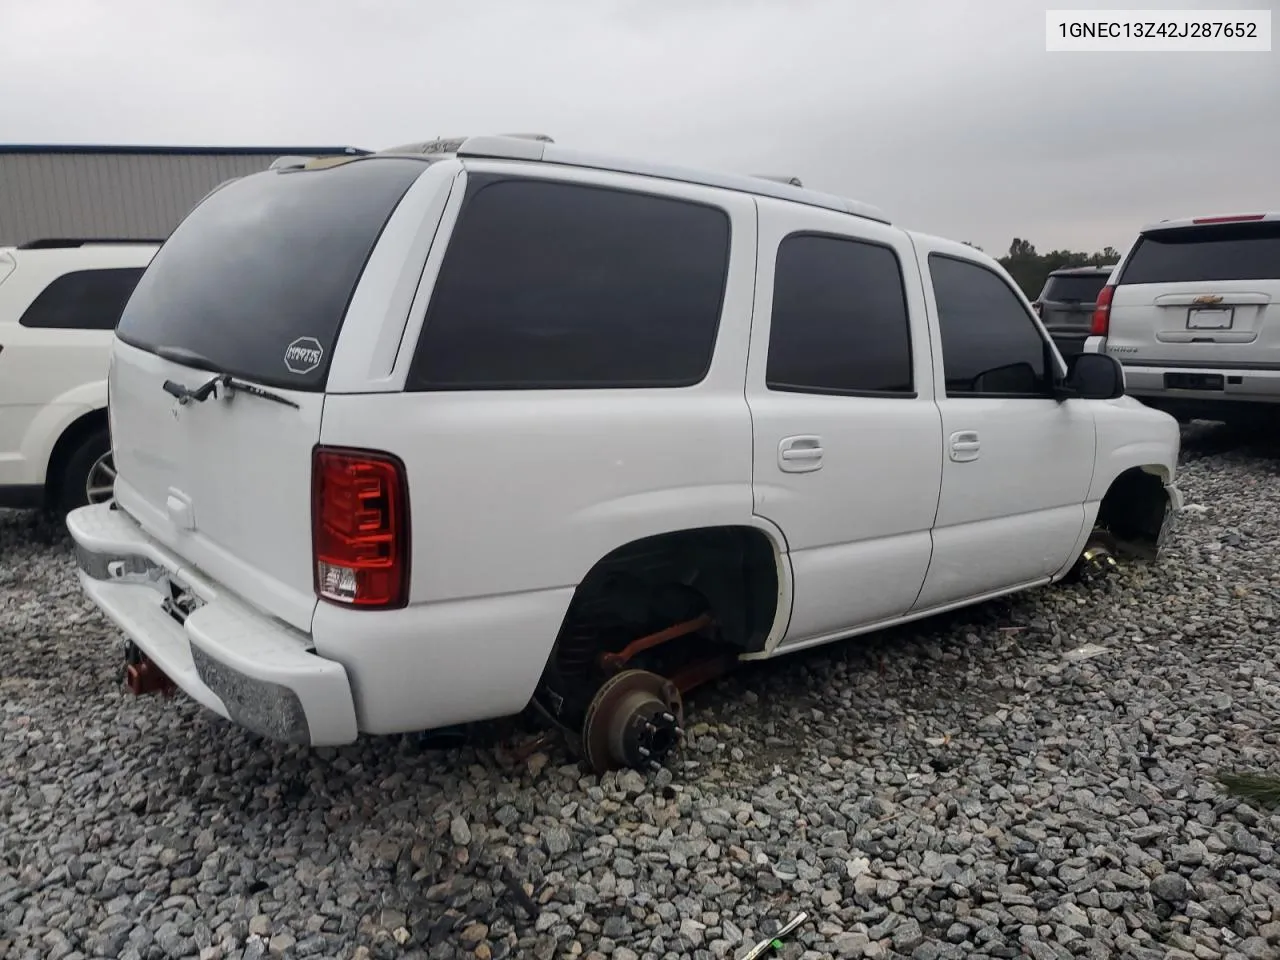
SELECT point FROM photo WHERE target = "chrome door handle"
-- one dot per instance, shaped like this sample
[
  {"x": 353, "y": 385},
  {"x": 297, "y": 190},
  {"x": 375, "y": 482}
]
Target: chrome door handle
[
  {"x": 800, "y": 454},
  {"x": 965, "y": 446}
]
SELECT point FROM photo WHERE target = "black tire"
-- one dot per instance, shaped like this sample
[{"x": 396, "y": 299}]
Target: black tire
[{"x": 72, "y": 491}]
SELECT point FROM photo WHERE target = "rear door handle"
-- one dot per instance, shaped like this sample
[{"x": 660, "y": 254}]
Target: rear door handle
[
  {"x": 800, "y": 454},
  {"x": 965, "y": 446}
]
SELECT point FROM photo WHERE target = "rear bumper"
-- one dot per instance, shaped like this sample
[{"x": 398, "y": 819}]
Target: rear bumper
[
  {"x": 228, "y": 657},
  {"x": 1218, "y": 385}
]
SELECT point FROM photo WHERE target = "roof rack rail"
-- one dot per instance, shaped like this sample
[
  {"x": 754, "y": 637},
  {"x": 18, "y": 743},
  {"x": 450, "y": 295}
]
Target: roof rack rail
[
  {"x": 291, "y": 162},
  {"x": 311, "y": 163},
  {"x": 537, "y": 148},
  {"x": 452, "y": 144},
  {"x": 61, "y": 243},
  {"x": 793, "y": 181}
]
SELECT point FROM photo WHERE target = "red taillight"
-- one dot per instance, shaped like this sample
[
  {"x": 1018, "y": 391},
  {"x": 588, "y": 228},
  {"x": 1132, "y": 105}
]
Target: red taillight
[
  {"x": 359, "y": 528},
  {"x": 1239, "y": 218},
  {"x": 1101, "y": 322}
]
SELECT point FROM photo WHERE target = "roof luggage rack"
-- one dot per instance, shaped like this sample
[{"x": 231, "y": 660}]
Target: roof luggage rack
[
  {"x": 539, "y": 147},
  {"x": 793, "y": 181},
  {"x": 454, "y": 144},
  {"x": 67, "y": 243}
]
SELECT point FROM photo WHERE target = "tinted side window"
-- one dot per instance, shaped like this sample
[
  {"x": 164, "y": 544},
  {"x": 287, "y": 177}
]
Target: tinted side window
[
  {"x": 990, "y": 346},
  {"x": 557, "y": 285},
  {"x": 83, "y": 300},
  {"x": 839, "y": 318},
  {"x": 1237, "y": 251}
]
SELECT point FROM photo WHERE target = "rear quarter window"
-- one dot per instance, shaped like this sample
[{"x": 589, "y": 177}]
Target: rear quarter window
[
  {"x": 258, "y": 277},
  {"x": 1236, "y": 251},
  {"x": 553, "y": 285}
]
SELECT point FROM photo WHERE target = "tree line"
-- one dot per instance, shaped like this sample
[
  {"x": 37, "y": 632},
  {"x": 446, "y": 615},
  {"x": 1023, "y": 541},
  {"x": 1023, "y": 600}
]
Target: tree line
[{"x": 1030, "y": 269}]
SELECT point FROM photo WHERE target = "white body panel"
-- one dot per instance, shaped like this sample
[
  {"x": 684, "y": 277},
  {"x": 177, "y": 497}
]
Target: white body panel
[
  {"x": 857, "y": 521},
  {"x": 514, "y": 495},
  {"x": 517, "y": 494},
  {"x": 187, "y": 474},
  {"x": 1015, "y": 476}
]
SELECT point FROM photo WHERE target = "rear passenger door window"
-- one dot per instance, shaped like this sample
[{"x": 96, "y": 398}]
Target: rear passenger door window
[
  {"x": 839, "y": 322},
  {"x": 83, "y": 300},
  {"x": 553, "y": 285},
  {"x": 990, "y": 345}
]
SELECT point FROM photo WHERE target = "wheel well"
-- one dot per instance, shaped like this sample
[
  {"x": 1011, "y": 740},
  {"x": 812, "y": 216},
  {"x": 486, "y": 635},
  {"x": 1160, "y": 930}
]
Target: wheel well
[
  {"x": 75, "y": 434},
  {"x": 1133, "y": 510},
  {"x": 715, "y": 587},
  {"x": 731, "y": 571}
]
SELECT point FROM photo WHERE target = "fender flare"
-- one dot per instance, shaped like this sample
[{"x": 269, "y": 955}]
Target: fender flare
[{"x": 50, "y": 425}]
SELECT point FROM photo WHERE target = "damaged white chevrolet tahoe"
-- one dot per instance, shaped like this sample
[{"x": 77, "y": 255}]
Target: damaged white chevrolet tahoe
[{"x": 464, "y": 428}]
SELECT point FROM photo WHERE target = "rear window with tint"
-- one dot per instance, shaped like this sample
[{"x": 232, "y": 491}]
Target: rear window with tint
[
  {"x": 258, "y": 277},
  {"x": 83, "y": 300},
  {"x": 1237, "y": 251},
  {"x": 1074, "y": 288}
]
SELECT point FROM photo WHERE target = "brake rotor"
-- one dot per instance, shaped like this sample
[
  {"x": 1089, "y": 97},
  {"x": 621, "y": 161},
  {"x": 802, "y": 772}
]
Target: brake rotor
[{"x": 634, "y": 720}]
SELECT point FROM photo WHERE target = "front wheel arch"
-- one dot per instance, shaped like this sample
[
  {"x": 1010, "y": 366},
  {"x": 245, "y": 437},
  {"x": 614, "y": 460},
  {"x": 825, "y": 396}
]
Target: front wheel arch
[{"x": 1136, "y": 511}]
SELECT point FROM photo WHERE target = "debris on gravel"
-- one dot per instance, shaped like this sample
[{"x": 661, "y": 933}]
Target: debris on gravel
[{"x": 1035, "y": 777}]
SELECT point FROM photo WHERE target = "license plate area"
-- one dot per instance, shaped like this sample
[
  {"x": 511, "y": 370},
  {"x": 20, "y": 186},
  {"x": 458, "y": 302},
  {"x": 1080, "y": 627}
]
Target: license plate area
[
  {"x": 1210, "y": 318},
  {"x": 179, "y": 601},
  {"x": 1193, "y": 381}
]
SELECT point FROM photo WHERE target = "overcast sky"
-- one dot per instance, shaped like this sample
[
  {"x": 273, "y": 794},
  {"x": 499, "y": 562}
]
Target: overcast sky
[{"x": 949, "y": 115}]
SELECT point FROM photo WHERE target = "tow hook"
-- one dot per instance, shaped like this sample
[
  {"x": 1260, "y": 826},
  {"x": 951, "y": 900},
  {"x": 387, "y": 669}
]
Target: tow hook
[{"x": 142, "y": 676}]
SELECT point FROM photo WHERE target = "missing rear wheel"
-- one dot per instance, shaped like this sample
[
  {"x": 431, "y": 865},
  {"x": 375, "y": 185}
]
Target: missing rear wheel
[{"x": 634, "y": 720}]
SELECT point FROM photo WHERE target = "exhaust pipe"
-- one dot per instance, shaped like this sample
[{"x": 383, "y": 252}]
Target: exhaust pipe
[{"x": 143, "y": 677}]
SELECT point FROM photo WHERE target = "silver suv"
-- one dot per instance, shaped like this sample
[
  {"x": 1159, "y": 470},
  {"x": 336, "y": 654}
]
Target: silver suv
[{"x": 1193, "y": 314}]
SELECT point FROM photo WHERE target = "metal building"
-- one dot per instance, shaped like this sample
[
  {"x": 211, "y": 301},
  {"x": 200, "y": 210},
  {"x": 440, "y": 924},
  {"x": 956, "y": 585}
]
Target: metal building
[{"x": 118, "y": 192}]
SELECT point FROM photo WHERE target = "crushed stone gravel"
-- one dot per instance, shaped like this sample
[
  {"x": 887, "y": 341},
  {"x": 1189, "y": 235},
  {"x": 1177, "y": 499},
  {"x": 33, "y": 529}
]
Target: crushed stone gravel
[{"x": 1029, "y": 778}]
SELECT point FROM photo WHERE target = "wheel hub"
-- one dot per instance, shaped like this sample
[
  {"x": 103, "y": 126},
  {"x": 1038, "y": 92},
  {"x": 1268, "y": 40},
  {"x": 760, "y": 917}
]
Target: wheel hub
[
  {"x": 1097, "y": 561},
  {"x": 99, "y": 485},
  {"x": 634, "y": 720}
]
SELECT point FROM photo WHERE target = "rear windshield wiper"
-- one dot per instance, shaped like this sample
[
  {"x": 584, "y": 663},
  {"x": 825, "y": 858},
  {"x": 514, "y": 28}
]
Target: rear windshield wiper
[{"x": 229, "y": 383}]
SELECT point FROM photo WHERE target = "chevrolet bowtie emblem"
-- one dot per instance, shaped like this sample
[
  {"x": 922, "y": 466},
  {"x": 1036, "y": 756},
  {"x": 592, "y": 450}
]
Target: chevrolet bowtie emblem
[{"x": 1208, "y": 298}]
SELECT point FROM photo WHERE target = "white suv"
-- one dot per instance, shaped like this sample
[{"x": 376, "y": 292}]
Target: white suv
[
  {"x": 1193, "y": 314},
  {"x": 429, "y": 437},
  {"x": 59, "y": 303}
]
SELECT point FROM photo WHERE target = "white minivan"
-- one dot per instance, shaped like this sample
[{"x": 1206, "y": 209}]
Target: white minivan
[
  {"x": 438, "y": 434},
  {"x": 1193, "y": 314},
  {"x": 60, "y": 299}
]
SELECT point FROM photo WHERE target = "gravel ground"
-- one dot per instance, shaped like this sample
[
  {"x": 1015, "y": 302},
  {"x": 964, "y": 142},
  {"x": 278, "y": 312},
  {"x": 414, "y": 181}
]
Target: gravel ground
[{"x": 1031, "y": 778}]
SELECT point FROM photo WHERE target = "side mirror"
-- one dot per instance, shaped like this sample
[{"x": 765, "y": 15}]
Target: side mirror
[{"x": 1094, "y": 376}]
